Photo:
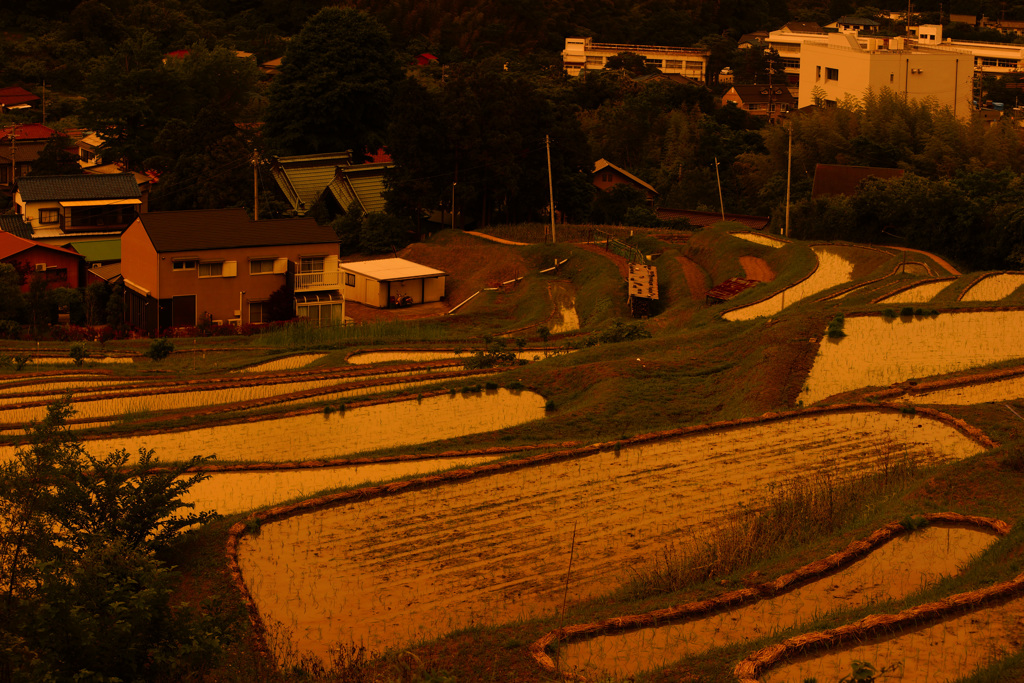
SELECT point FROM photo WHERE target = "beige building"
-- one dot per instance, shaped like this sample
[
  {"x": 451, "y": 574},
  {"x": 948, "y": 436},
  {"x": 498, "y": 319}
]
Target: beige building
[
  {"x": 841, "y": 67},
  {"x": 584, "y": 53},
  {"x": 788, "y": 42},
  {"x": 392, "y": 282},
  {"x": 991, "y": 58}
]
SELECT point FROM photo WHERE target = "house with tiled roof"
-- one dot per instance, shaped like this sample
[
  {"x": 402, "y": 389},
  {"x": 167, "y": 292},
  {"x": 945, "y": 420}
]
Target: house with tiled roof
[
  {"x": 180, "y": 266},
  {"x": 60, "y": 207},
  {"x": 58, "y": 266},
  {"x": 761, "y": 100},
  {"x": 16, "y": 97},
  {"x": 306, "y": 179},
  {"x": 852, "y": 23},
  {"x": 14, "y": 224},
  {"x": 833, "y": 179},
  {"x": 607, "y": 175},
  {"x": 20, "y": 145}
]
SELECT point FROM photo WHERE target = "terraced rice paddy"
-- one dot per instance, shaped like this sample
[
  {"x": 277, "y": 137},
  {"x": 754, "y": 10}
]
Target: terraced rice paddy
[
  {"x": 57, "y": 360},
  {"x": 231, "y": 492},
  {"x": 47, "y": 391},
  {"x": 493, "y": 549},
  {"x": 918, "y": 294},
  {"x": 894, "y": 571},
  {"x": 757, "y": 238},
  {"x": 941, "y": 652},
  {"x": 833, "y": 270},
  {"x": 315, "y": 436},
  {"x": 969, "y": 394},
  {"x": 994, "y": 287},
  {"x": 880, "y": 352},
  {"x": 373, "y": 357},
  {"x": 288, "y": 363},
  {"x": 92, "y": 406}
]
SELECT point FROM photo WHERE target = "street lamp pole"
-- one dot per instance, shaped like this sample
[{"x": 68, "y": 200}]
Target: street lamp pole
[{"x": 718, "y": 179}]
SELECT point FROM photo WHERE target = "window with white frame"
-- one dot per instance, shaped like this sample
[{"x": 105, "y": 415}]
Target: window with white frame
[
  {"x": 261, "y": 266},
  {"x": 350, "y": 280},
  {"x": 258, "y": 312},
  {"x": 311, "y": 264},
  {"x": 211, "y": 269}
]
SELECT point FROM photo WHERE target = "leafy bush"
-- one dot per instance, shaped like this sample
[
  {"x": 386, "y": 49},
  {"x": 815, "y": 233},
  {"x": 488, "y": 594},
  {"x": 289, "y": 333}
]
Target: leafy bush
[
  {"x": 907, "y": 311},
  {"x": 159, "y": 349},
  {"x": 78, "y": 353},
  {"x": 10, "y": 329},
  {"x": 835, "y": 328},
  {"x": 889, "y": 314},
  {"x": 622, "y": 332}
]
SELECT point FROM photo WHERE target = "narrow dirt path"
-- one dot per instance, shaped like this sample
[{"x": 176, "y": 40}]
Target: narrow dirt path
[
  {"x": 757, "y": 268},
  {"x": 620, "y": 261},
  {"x": 696, "y": 278},
  {"x": 939, "y": 260}
]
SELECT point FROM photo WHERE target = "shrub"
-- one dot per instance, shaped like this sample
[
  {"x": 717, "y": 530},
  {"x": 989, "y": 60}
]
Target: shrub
[
  {"x": 10, "y": 329},
  {"x": 20, "y": 361},
  {"x": 621, "y": 332},
  {"x": 544, "y": 332},
  {"x": 907, "y": 311},
  {"x": 889, "y": 314},
  {"x": 159, "y": 349},
  {"x": 549, "y": 406},
  {"x": 78, "y": 353},
  {"x": 515, "y": 385}
]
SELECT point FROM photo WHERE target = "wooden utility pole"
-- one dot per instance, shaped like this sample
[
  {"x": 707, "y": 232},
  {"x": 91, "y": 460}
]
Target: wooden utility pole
[
  {"x": 789, "y": 174},
  {"x": 255, "y": 187},
  {"x": 721, "y": 202},
  {"x": 551, "y": 191}
]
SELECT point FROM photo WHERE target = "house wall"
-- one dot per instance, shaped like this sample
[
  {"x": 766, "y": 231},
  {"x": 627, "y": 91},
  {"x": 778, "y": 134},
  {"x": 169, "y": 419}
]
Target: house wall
[
  {"x": 61, "y": 269},
  {"x": 139, "y": 260},
  {"x": 375, "y": 293},
  {"x": 607, "y": 178},
  {"x": 944, "y": 77}
]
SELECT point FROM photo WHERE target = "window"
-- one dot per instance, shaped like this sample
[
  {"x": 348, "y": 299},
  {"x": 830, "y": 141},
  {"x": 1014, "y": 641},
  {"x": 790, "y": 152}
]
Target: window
[
  {"x": 258, "y": 311},
  {"x": 261, "y": 266},
  {"x": 311, "y": 264},
  {"x": 673, "y": 64},
  {"x": 694, "y": 66},
  {"x": 211, "y": 269},
  {"x": 831, "y": 74},
  {"x": 653, "y": 62},
  {"x": 350, "y": 280},
  {"x": 595, "y": 61},
  {"x": 817, "y": 75},
  {"x": 187, "y": 264},
  {"x": 47, "y": 216}
]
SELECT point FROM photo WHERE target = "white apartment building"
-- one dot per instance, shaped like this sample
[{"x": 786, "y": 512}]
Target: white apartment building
[
  {"x": 788, "y": 42},
  {"x": 992, "y": 58},
  {"x": 583, "y": 53},
  {"x": 845, "y": 65}
]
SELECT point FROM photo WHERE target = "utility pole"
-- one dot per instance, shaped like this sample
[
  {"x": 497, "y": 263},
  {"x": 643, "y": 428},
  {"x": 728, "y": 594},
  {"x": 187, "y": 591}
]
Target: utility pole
[
  {"x": 255, "y": 187},
  {"x": 551, "y": 190},
  {"x": 44, "y": 103},
  {"x": 718, "y": 178},
  {"x": 789, "y": 174},
  {"x": 771, "y": 67}
]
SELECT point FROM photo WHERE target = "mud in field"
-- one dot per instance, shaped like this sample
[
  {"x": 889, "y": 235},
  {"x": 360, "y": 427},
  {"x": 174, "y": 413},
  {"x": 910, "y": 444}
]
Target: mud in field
[
  {"x": 757, "y": 238},
  {"x": 289, "y": 363},
  {"x": 563, "y": 301},
  {"x": 944, "y": 651},
  {"x": 318, "y": 436},
  {"x": 880, "y": 352},
  {"x": 994, "y": 287},
  {"x": 696, "y": 279},
  {"x": 920, "y": 294},
  {"x": 891, "y": 572},
  {"x": 232, "y": 492},
  {"x": 833, "y": 270},
  {"x": 755, "y": 268},
  {"x": 372, "y": 357},
  {"x": 494, "y": 549}
]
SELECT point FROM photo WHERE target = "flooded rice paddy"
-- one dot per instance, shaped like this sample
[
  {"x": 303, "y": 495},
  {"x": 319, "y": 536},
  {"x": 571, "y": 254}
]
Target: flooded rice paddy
[
  {"x": 372, "y": 357},
  {"x": 880, "y": 352},
  {"x": 944, "y": 651},
  {"x": 232, "y": 492},
  {"x": 833, "y": 270},
  {"x": 994, "y": 287},
  {"x": 969, "y": 394},
  {"x": 891, "y": 572},
  {"x": 494, "y": 549},
  {"x": 289, "y": 363},
  {"x": 766, "y": 240},
  {"x": 316, "y": 436},
  {"x": 918, "y": 294}
]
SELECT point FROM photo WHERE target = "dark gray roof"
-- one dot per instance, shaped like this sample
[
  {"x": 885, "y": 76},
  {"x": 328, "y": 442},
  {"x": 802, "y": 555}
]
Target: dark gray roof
[
  {"x": 78, "y": 187},
  {"x": 14, "y": 225},
  {"x": 857, "y": 21},
  {"x": 172, "y": 231}
]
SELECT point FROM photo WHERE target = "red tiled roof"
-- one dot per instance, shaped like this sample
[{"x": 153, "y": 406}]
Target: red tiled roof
[
  {"x": 12, "y": 244},
  {"x": 14, "y": 95},
  {"x": 832, "y": 179},
  {"x": 200, "y": 229},
  {"x": 29, "y": 131}
]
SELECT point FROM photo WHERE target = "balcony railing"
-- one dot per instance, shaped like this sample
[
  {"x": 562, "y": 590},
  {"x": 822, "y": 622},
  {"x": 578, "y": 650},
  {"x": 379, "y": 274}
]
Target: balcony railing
[{"x": 325, "y": 279}]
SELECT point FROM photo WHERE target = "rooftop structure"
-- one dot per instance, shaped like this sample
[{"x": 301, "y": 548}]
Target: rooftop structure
[{"x": 584, "y": 53}]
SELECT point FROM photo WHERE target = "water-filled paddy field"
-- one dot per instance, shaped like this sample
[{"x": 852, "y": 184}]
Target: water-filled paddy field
[
  {"x": 918, "y": 294},
  {"x": 757, "y": 238},
  {"x": 968, "y": 394},
  {"x": 318, "y": 436},
  {"x": 833, "y": 269},
  {"x": 880, "y": 352},
  {"x": 494, "y": 548},
  {"x": 891, "y": 572},
  {"x": 994, "y": 287},
  {"x": 944, "y": 651},
  {"x": 288, "y": 363},
  {"x": 371, "y": 357}
]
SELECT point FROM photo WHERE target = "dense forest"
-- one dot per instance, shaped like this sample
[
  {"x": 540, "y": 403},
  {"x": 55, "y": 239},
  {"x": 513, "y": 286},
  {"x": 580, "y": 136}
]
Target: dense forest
[{"x": 478, "y": 116}]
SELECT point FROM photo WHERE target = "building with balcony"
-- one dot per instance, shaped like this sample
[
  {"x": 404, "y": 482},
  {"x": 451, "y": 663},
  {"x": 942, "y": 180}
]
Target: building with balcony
[
  {"x": 842, "y": 67},
  {"x": 584, "y": 53},
  {"x": 788, "y": 42},
  {"x": 183, "y": 266},
  {"x": 989, "y": 58},
  {"x": 62, "y": 208}
]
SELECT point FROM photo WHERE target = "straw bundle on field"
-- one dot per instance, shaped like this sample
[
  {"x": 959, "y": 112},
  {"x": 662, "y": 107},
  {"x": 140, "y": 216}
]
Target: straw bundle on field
[{"x": 813, "y": 571}]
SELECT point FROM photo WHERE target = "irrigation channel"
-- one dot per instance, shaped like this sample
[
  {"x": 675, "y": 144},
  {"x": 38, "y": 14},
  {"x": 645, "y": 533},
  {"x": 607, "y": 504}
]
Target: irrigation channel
[
  {"x": 897, "y": 569},
  {"x": 318, "y": 435},
  {"x": 878, "y": 351},
  {"x": 493, "y": 548}
]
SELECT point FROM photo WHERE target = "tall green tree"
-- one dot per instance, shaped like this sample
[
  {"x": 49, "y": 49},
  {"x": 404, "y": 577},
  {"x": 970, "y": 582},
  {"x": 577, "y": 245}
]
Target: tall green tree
[{"x": 334, "y": 89}]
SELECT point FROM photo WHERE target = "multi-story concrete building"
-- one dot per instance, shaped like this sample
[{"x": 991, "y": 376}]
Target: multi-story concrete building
[
  {"x": 992, "y": 58},
  {"x": 841, "y": 66},
  {"x": 788, "y": 42},
  {"x": 584, "y": 53}
]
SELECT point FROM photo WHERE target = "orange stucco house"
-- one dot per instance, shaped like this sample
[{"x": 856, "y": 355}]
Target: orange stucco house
[{"x": 181, "y": 266}]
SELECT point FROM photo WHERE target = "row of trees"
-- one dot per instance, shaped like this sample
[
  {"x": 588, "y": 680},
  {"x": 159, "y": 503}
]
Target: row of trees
[{"x": 97, "y": 304}]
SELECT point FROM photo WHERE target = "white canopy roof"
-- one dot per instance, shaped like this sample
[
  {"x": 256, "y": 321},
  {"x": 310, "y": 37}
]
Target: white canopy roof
[{"x": 386, "y": 269}]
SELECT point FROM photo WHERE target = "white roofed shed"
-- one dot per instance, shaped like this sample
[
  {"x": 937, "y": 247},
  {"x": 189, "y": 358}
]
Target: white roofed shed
[{"x": 392, "y": 281}]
